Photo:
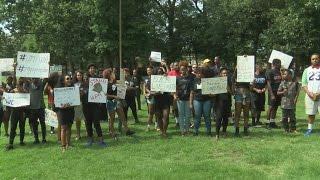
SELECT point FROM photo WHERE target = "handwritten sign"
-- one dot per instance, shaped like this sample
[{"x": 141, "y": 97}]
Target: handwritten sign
[
  {"x": 66, "y": 96},
  {"x": 33, "y": 65},
  {"x": 163, "y": 83},
  {"x": 155, "y": 56},
  {"x": 51, "y": 118},
  {"x": 216, "y": 85},
  {"x": 245, "y": 68},
  {"x": 97, "y": 89},
  {"x": 284, "y": 58},
  {"x": 121, "y": 91},
  {"x": 16, "y": 99},
  {"x": 56, "y": 68},
  {"x": 6, "y": 64}
]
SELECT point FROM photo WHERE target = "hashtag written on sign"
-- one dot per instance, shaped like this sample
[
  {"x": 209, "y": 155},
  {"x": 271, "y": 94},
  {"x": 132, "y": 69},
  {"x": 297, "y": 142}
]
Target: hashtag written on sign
[{"x": 22, "y": 57}]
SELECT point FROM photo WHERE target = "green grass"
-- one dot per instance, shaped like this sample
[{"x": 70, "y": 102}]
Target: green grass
[{"x": 265, "y": 154}]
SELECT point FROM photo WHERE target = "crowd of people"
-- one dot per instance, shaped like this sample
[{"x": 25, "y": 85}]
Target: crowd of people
[{"x": 189, "y": 106}]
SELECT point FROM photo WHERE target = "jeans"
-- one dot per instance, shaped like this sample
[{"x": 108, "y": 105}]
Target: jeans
[
  {"x": 36, "y": 114},
  {"x": 184, "y": 115},
  {"x": 202, "y": 108}
]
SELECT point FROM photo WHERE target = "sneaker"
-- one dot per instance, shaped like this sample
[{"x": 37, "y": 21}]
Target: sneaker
[
  {"x": 44, "y": 141},
  {"x": 22, "y": 144},
  {"x": 129, "y": 133},
  {"x": 9, "y": 147},
  {"x": 308, "y": 133},
  {"x": 51, "y": 132},
  {"x": 246, "y": 132},
  {"x": 89, "y": 143},
  {"x": 102, "y": 144}
]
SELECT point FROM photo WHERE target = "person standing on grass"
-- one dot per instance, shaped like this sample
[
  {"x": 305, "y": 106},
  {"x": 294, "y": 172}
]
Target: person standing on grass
[
  {"x": 289, "y": 90},
  {"x": 130, "y": 96},
  {"x": 242, "y": 104},
  {"x": 8, "y": 87},
  {"x": 223, "y": 106},
  {"x": 175, "y": 72},
  {"x": 137, "y": 84},
  {"x": 115, "y": 105},
  {"x": 258, "y": 95},
  {"x": 78, "y": 116},
  {"x": 182, "y": 97},
  {"x": 65, "y": 115},
  {"x": 17, "y": 116},
  {"x": 37, "y": 109},
  {"x": 199, "y": 103},
  {"x": 1, "y": 106},
  {"x": 274, "y": 101},
  {"x": 162, "y": 100},
  {"x": 149, "y": 97},
  {"x": 311, "y": 86},
  {"x": 91, "y": 111}
]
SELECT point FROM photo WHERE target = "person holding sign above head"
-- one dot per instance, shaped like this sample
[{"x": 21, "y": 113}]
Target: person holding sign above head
[
  {"x": 199, "y": 103},
  {"x": 65, "y": 116},
  {"x": 37, "y": 108},
  {"x": 91, "y": 111},
  {"x": 182, "y": 97},
  {"x": 223, "y": 106},
  {"x": 17, "y": 116},
  {"x": 274, "y": 100},
  {"x": 311, "y": 86},
  {"x": 114, "y": 104}
]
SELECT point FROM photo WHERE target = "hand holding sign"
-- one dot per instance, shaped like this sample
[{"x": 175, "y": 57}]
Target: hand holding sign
[{"x": 284, "y": 58}]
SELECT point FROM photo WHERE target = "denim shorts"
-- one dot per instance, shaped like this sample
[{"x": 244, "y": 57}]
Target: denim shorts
[
  {"x": 242, "y": 95},
  {"x": 111, "y": 105}
]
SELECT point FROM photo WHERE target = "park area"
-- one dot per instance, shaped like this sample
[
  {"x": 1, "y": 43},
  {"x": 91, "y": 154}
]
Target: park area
[{"x": 264, "y": 154}]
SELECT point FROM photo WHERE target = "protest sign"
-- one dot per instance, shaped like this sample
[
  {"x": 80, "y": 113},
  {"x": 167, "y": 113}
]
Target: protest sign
[
  {"x": 121, "y": 91},
  {"x": 51, "y": 118},
  {"x": 216, "y": 85},
  {"x": 97, "y": 90},
  {"x": 6, "y": 64},
  {"x": 56, "y": 68},
  {"x": 163, "y": 83},
  {"x": 33, "y": 65},
  {"x": 16, "y": 99},
  {"x": 245, "y": 68},
  {"x": 284, "y": 58},
  {"x": 66, "y": 96},
  {"x": 155, "y": 56}
]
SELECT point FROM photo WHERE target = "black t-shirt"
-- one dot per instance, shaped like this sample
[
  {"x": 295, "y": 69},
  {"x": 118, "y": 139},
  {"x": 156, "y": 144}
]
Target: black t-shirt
[
  {"x": 130, "y": 92},
  {"x": 184, "y": 85},
  {"x": 260, "y": 81},
  {"x": 274, "y": 76},
  {"x": 112, "y": 90},
  {"x": 197, "y": 92}
]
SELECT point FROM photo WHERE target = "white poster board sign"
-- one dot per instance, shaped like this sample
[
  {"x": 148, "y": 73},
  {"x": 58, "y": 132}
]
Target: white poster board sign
[
  {"x": 66, "y": 96},
  {"x": 6, "y": 64},
  {"x": 98, "y": 88},
  {"x": 163, "y": 83},
  {"x": 216, "y": 85},
  {"x": 121, "y": 91},
  {"x": 245, "y": 68},
  {"x": 16, "y": 99},
  {"x": 51, "y": 118},
  {"x": 155, "y": 56},
  {"x": 284, "y": 58},
  {"x": 56, "y": 68},
  {"x": 33, "y": 65}
]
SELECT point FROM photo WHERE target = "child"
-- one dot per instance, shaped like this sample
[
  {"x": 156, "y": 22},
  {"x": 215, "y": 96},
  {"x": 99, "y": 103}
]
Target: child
[{"x": 289, "y": 91}]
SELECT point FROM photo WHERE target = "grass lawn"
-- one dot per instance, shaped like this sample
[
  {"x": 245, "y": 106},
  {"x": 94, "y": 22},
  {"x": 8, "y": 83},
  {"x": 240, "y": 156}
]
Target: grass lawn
[{"x": 265, "y": 154}]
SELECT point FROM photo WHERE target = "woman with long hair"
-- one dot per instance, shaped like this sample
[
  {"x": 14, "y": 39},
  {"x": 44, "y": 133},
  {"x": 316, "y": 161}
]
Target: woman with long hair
[{"x": 78, "y": 81}]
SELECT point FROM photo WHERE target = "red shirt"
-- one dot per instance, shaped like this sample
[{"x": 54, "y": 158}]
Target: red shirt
[{"x": 174, "y": 73}]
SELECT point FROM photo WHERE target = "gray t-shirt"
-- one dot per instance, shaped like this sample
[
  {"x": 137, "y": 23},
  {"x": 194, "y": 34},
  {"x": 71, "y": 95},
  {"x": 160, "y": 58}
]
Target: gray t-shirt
[{"x": 36, "y": 95}]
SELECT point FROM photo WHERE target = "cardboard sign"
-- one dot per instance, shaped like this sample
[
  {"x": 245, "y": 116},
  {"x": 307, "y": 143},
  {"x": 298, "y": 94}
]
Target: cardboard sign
[
  {"x": 51, "y": 118},
  {"x": 56, "y": 68},
  {"x": 33, "y": 65},
  {"x": 16, "y": 99},
  {"x": 155, "y": 56},
  {"x": 98, "y": 88},
  {"x": 6, "y": 64},
  {"x": 66, "y": 96},
  {"x": 163, "y": 83},
  {"x": 121, "y": 91},
  {"x": 216, "y": 85},
  {"x": 284, "y": 58},
  {"x": 245, "y": 68}
]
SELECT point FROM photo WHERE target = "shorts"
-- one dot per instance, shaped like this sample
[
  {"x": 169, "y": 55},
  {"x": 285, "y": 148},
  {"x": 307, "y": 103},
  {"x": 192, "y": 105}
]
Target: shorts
[
  {"x": 66, "y": 116},
  {"x": 112, "y": 105},
  {"x": 259, "y": 101},
  {"x": 242, "y": 95},
  {"x": 312, "y": 107},
  {"x": 276, "y": 102}
]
